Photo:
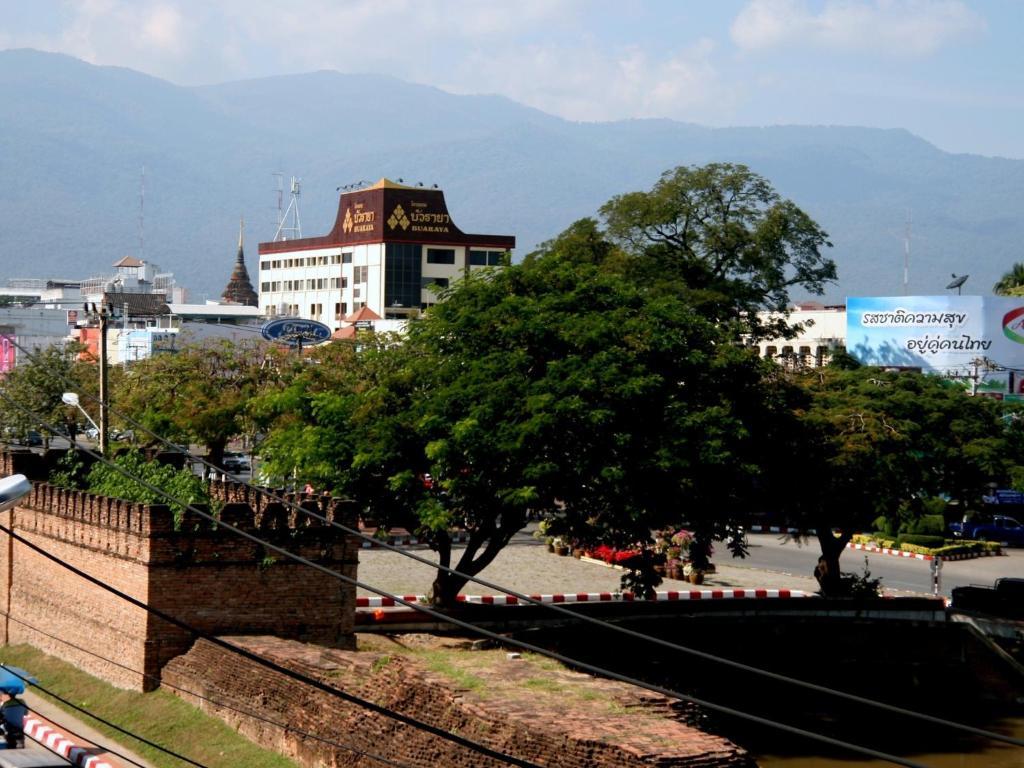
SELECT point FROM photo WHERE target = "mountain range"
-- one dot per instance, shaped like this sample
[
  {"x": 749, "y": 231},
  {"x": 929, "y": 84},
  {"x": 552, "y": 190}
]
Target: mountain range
[{"x": 75, "y": 138}]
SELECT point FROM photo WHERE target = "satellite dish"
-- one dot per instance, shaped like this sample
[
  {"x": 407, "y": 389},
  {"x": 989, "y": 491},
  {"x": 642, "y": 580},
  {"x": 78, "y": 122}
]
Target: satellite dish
[{"x": 957, "y": 282}]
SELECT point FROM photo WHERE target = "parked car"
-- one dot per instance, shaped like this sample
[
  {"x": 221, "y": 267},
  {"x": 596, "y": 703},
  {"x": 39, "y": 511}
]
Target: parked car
[
  {"x": 999, "y": 528},
  {"x": 235, "y": 462},
  {"x": 32, "y": 438}
]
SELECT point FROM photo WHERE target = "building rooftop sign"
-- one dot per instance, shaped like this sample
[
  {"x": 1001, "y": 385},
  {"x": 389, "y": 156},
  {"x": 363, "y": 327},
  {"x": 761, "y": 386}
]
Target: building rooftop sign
[
  {"x": 390, "y": 212},
  {"x": 295, "y": 331}
]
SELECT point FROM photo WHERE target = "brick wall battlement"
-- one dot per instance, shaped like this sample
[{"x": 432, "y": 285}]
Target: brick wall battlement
[{"x": 201, "y": 573}]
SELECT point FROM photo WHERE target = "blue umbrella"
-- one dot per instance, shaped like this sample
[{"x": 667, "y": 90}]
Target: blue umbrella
[{"x": 13, "y": 679}]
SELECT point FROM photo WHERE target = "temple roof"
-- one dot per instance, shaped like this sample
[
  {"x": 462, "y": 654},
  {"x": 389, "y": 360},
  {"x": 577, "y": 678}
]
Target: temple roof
[{"x": 239, "y": 289}]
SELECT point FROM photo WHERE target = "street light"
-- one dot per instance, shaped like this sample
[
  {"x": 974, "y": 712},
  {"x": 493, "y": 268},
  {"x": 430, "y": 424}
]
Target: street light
[
  {"x": 71, "y": 398},
  {"x": 12, "y": 489},
  {"x": 102, "y": 314}
]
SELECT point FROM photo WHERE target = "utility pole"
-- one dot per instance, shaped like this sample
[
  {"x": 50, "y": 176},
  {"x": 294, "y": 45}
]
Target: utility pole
[{"x": 104, "y": 314}]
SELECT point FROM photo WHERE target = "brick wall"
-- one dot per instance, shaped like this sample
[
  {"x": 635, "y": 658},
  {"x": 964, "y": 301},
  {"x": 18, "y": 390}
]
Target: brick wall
[
  {"x": 207, "y": 576},
  {"x": 558, "y": 733}
]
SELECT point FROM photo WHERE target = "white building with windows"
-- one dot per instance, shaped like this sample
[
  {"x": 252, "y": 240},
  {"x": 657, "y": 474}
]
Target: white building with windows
[
  {"x": 824, "y": 331},
  {"x": 391, "y": 248}
]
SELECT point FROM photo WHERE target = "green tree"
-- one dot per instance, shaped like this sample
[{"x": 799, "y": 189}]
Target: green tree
[
  {"x": 553, "y": 387},
  {"x": 722, "y": 236},
  {"x": 199, "y": 393},
  {"x": 32, "y": 391},
  {"x": 1011, "y": 283},
  {"x": 869, "y": 443}
]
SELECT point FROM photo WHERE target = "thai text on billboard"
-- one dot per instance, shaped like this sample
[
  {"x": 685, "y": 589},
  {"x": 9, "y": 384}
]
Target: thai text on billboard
[{"x": 950, "y": 335}]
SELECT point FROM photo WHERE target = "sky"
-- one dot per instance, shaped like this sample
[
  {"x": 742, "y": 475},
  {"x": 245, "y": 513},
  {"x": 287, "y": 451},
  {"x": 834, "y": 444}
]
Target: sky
[{"x": 951, "y": 72}]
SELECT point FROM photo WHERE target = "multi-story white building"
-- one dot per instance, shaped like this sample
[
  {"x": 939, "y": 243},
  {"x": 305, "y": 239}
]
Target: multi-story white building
[
  {"x": 391, "y": 247},
  {"x": 824, "y": 331}
]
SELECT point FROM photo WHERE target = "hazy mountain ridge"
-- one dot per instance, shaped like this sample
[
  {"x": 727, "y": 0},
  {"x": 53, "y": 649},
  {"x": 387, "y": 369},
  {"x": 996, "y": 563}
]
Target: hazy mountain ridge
[{"x": 74, "y": 139}]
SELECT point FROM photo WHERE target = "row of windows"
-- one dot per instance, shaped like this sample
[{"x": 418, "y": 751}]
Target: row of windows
[
  {"x": 440, "y": 255},
  {"x": 287, "y": 310},
  {"x": 307, "y": 261},
  {"x": 434, "y": 256},
  {"x": 317, "y": 284},
  {"x": 486, "y": 258},
  {"x": 476, "y": 258}
]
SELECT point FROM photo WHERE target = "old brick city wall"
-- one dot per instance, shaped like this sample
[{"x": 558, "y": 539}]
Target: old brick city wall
[{"x": 210, "y": 578}]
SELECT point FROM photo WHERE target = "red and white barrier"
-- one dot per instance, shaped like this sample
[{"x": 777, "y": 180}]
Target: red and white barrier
[
  {"x": 918, "y": 556},
  {"x": 51, "y": 736},
  {"x": 594, "y": 597}
]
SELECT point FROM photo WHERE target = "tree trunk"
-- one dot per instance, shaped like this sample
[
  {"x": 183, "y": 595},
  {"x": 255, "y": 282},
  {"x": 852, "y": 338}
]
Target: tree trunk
[
  {"x": 827, "y": 570},
  {"x": 447, "y": 586}
]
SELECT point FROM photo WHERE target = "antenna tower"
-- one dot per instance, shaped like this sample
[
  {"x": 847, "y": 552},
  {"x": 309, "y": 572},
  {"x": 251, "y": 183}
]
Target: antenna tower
[
  {"x": 906, "y": 255},
  {"x": 289, "y": 226},
  {"x": 142, "y": 214}
]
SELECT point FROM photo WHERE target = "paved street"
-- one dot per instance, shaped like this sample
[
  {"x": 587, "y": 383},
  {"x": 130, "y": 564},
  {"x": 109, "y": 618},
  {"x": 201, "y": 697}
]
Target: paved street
[
  {"x": 526, "y": 566},
  {"x": 775, "y": 562}
]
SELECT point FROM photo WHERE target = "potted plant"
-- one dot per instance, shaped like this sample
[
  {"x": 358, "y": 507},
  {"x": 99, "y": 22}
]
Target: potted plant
[
  {"x": 561, "y": 546},
  {"x": 693, "y": 574},
  {"x": 674, "y": 568}
]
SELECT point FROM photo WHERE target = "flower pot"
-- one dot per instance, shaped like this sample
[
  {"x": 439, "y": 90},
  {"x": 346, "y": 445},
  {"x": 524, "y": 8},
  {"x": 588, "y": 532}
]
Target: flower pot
[
  {"x": 675, "y": 573},
  {"x": 696, "y": 577},
  {"x": 562, "y": 551}
]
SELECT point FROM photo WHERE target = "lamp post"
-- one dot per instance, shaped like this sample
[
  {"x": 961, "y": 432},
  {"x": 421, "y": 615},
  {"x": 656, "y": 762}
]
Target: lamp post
[
  {"x": 71, "y": 398},
  {"x": 103, "y": 316},
  {"x": 12, "y": 489}
]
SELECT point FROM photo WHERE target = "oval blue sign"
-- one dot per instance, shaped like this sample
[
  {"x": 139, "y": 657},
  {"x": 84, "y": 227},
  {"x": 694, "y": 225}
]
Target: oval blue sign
[{"x": 294, "y": 331}]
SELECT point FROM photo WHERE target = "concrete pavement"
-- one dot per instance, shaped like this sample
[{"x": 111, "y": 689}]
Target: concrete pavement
[{"x": 526, "y": 566}]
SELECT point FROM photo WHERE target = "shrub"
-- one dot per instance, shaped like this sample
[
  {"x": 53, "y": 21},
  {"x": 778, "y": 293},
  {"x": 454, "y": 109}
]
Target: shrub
[
  {"x": 927, "y": 525},
  {"x": 884, "y": 525},
  {"x": 185, "y": 487},
  {"x": 921, "y": 540}
]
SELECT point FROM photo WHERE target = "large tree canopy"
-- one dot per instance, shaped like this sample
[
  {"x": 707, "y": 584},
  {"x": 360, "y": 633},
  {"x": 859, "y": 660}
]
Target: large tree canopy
[
  {"x": 866, "y": 443},
  {"x": 552, "y": 387},
  {"x": 726, "y": 239},
  {"x": 33, "y": 390},
  {"x": 199, "y": 393}
]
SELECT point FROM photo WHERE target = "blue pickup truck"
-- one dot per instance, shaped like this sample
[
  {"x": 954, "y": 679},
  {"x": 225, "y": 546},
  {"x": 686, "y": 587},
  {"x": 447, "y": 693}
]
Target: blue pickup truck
[{"x": 1001, "y": 528}]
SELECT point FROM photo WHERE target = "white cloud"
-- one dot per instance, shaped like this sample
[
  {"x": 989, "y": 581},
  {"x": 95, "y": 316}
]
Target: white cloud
[
  {"x": 162, "y": 27},
  {"x": 898, "y": 27}
]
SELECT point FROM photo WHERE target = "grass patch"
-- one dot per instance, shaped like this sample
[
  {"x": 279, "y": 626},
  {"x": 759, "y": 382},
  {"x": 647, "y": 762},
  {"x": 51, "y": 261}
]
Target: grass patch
[
  {"x": 158, "y": 716},
  {"x": 542, "y": 684},
  {"x": 442, "y": 663}
]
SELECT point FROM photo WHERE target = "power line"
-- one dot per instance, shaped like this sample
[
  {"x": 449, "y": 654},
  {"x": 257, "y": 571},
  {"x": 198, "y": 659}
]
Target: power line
[
  {"x": 107, "y": 723},
  {"x": 583, "y": 618},
  {"x": 429, "y": 611},
  {"x": 202, "y": 697}
]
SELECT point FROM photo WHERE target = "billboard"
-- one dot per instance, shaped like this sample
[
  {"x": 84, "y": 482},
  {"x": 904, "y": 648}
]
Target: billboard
[
  {"x": 979, "y": 339},
  {"x": 8, "y": 353}
]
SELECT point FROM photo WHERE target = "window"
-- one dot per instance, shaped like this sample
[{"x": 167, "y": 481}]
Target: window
[
  {"x": 427, "y": 282},
  {"x": 346, "y": 258},
  {"x": 265, "y": 287},
  {"x": 319, "y": 283},
  {"x": 486, "y": 258},
  {"x": 440, "y": 255},
  {"x": 264, "y": 265},
  {"x": 335, "y": 258},
  {"x": 403, "y": 268},
  {"x": 359, "y": 274},
  {"x": 276, "y": 264}
]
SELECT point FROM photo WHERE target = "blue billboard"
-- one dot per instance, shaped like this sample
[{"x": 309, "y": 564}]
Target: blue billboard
[{"x": 974, "y": 338}]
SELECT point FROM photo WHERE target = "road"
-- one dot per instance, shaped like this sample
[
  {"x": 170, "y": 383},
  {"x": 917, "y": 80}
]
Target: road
[{"x": 782, "y": 554}]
